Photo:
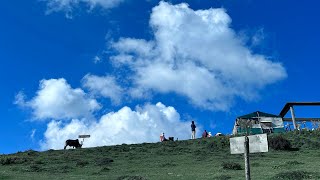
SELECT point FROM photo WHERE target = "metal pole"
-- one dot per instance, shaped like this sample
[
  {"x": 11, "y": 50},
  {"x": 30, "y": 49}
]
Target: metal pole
[
  {"x": 246, "y": 158},
  {"x": 293, "y": 117}
]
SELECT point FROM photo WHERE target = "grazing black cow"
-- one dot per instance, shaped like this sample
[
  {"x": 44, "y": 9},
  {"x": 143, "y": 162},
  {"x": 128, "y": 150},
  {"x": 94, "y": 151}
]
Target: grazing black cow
[
  {"x": 73, "y": 143},
  {"x": 170, "y": 139}
]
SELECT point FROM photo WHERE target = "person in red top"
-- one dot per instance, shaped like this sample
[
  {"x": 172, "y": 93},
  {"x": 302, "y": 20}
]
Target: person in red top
[
  {"x": 162, "y": 137},
  {"x": 205, "y": 134}
]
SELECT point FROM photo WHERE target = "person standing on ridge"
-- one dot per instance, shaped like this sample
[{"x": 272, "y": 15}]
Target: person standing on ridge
[{"x": 193, "y": 130}]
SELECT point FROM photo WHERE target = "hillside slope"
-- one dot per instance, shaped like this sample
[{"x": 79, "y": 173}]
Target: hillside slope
[{"x": 192, "y": 159}]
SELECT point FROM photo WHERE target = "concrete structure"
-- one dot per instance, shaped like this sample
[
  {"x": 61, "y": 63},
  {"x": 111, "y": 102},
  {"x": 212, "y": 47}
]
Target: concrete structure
[{"x": 290, "y": 106}]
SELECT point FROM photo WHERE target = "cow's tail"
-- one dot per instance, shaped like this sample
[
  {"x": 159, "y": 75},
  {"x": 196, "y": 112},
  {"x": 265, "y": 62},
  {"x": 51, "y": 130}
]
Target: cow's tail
[{"x": 65, "y": 146}]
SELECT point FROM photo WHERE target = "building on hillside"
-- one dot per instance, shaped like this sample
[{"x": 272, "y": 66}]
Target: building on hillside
[{"x": 258, "y": 122}]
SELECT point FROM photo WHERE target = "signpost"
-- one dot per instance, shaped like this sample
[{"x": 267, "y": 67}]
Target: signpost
[
  {"x": 83, "y": 136},
  {"x": 257, "y": 143},
  {"x": 248, "y": 144},
  {"x": 246, "y": 158}
]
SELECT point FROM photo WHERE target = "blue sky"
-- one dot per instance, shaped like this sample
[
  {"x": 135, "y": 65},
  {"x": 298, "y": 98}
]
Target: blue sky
[{"x": 126, "y": 71}]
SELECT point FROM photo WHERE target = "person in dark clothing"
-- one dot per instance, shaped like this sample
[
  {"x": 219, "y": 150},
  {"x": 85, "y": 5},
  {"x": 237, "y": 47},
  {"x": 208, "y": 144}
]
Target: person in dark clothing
[
  {"x": 193, "y": 130},
  {"x": 205, "y": 134}
]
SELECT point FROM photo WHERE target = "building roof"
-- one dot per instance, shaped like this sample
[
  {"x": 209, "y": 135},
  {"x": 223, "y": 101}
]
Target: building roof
[
  {"x": 286, "y": 108},
  {"x": 256, "y": 114}
]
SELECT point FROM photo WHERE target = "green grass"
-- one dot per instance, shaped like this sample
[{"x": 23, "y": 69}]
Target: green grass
[{"x": 192, "y": 159}]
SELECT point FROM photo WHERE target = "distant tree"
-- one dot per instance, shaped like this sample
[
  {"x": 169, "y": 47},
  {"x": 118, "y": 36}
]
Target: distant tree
[{"x": 245, "y": 125}]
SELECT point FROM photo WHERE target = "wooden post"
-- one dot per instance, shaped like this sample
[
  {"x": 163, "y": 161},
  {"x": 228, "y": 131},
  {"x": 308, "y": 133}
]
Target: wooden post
[
  {"x": 246, "y": 158},
  {"x": 83, "y": 136},
  {"x": 293, "y": 116}
]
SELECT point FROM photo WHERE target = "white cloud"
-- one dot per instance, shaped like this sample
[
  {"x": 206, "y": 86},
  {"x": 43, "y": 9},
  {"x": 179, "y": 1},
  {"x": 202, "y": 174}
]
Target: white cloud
[
  {"x": 198, "y": 55},
  {"x": 68, "y": 5},
  {"x": 20, "y": 99},
  {"x": 97, "y": 59},
  {"x": 58, "y": 100},
  {"x": 124, "y": 126},
  {"x": 258, "y": 37},
  {"x": 105, "y": 86},
  {"x": 33, "y": 132}
]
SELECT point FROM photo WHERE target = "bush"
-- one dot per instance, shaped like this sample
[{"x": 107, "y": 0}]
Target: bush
[
  {"x": 218, "y": 143},
  {"x": 279, "y": 143},
  {"x": 31, "y": 152},
  {"x": 38, "y": 162},
  {"x": 231, "y": 166},
  {"x": 12, "y": 160}
]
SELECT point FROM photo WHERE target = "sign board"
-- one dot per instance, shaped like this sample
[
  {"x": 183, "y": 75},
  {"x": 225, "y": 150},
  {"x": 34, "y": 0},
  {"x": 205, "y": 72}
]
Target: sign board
[
  {"x": 84, "y": 136},
  {"x": 257, "y": 143}
]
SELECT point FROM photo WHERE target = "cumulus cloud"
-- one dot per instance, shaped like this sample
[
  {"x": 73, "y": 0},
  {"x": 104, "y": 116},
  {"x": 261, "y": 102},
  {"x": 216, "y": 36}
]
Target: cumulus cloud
[
  {"x": 144, "y": 124},
  {"x": 20, "y": 99},
  {"x": 105, "y": 86},
  {"x": 56, "y": 99},
  {"x": 68, "y": 5},
  {"x": 198, "y": 55}
]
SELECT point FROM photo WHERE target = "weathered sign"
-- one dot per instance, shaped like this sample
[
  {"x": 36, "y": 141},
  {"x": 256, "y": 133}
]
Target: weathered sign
[
  {"x": 84, "y": 136},
  {"x": 257, "y": 143}
]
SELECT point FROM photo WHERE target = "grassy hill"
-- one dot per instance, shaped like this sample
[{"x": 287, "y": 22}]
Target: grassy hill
[{"x": 191, "y": 159}]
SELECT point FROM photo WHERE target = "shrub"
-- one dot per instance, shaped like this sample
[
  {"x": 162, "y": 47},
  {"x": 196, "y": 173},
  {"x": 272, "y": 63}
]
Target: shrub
[
  {"x": 12, "y": 160},
  {"x": 231, "y": 166},
  {"x": 218, "y": 143},
  {"x": 312, "y": 144},
  {"x": 38, "y": 162},
  {"x": 31, "y": 152},
  {"x": 6, "y": 161},
  {"x": 279, "y": 143}
]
